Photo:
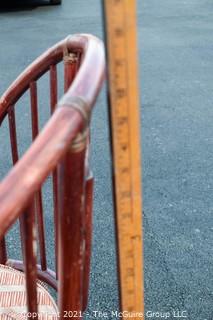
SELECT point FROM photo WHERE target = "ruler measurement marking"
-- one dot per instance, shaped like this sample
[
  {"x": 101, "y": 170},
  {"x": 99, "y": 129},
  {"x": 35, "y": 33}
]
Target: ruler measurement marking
[
  {"x": 122, "y": 93},
  {"x": 127, "y": 188},
  {"x": 122, "y": 33},
  {"x": 131, "y": 270}
]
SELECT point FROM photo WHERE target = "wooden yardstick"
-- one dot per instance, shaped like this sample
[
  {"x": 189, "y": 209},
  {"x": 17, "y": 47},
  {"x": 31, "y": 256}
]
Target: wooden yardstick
[{"x": 120, "y": 29}]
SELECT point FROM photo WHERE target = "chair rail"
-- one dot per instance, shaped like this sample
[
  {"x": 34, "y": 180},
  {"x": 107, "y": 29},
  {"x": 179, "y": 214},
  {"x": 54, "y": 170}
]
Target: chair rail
[{"x": 93, "y": 55}]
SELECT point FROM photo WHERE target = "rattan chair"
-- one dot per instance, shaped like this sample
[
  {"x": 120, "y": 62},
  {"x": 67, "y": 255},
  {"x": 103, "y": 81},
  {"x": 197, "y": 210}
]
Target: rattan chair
[{"x": 59, "y": 150}]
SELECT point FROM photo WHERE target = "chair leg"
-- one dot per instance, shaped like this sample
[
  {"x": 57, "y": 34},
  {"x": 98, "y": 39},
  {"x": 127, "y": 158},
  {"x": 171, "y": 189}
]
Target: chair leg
[
  {"x": 88, "y": 239},
  {"x": 71, "y": 222}
]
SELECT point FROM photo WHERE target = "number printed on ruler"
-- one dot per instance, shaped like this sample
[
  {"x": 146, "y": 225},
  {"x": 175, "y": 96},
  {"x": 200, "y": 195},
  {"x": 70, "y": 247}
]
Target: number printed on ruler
[{"x": 124, "y": 101}]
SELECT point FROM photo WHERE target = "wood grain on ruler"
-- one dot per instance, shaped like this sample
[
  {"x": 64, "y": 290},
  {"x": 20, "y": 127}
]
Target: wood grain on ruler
[{"x": 120, "y": 24}]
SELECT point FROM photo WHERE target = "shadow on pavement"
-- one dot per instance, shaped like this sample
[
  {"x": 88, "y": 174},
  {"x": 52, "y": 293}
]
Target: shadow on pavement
[{"x": 20, "y": 5}]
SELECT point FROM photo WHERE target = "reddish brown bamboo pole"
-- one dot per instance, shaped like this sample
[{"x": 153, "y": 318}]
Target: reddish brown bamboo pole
[
  {"x": 34, "y": 109},
  {"x": 3, "y": 251},
  {"x": 53, "y": 103},
  {"x": 15, "y": 156},
  {"x": 53, "y": 88},
  {"x": 29, "y": 245},
  {"x": 71, "y": 230},
  {"x": 71, "y": 220},
  {"x": 13, "y": 134},
  {"x": 41, "y": 228},
  {"x": 88, "y": 238},
  {"x": 38, "y": 195},
  {"x": 14, "y": 153}
]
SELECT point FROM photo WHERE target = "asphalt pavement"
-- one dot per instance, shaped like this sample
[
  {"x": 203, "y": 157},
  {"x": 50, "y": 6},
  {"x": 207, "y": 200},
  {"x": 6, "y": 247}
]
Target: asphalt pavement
[{"x": 176, "y": 77}]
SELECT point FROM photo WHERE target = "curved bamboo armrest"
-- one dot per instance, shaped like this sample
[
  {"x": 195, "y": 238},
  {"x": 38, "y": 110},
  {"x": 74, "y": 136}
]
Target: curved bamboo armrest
[{"x": 26, "y": 177}]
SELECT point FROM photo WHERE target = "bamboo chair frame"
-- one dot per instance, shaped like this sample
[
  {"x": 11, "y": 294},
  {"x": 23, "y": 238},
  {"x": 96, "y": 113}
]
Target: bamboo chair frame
[{"x": 60, "y": 149}]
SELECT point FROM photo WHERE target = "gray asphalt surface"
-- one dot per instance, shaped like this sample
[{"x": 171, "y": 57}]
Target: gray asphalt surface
[{"x": 176, "y": 76}]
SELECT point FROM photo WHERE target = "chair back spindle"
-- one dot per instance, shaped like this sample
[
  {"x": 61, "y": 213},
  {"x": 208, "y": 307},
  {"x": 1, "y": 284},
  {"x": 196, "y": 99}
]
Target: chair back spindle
[
  {"x": 3, "y": 251},
  {"x": 38, "y": 196},
  {"x": 28, "y": 227}
]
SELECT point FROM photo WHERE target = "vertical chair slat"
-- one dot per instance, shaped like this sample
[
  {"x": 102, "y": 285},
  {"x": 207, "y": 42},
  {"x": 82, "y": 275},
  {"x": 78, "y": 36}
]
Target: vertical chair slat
[
  {"x": 13, "y": 134},
  {"x": 38, "y": 195},
  {"x": 40, "y": 222},
  {"x": 14, "y": 152},
  {"x": 71, "y": 231},
  {"x": 88, "y": 237},
  {"x": 3, "y": 251},
  {"x": 53, "y": 87},
  {"x": 34, "y": 109},
  {"x": 15, "y": 156},
  {"x": 53, "y": 102},
  {"x": 28, "y": 227}
]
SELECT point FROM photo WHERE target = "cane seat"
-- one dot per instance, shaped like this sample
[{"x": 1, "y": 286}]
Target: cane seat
[{"x": 13, "y": 304}]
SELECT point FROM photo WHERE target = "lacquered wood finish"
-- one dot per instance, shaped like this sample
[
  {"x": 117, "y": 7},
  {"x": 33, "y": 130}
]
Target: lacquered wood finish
[
  {"x": 71, "y": 231},
  {"x": 53, "y": 103},
  {"x": 88, "y": 82},
  {"x": 56, "y": 145},
  {"x": 13, "y": 134},
  {"x": 38, "y": 196},
  {"x": 3, "y": 251},
  {"x": 53, "y": 87},
  {"x": 88, "y": 237},
  {"x": 30, "y": 250}
]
